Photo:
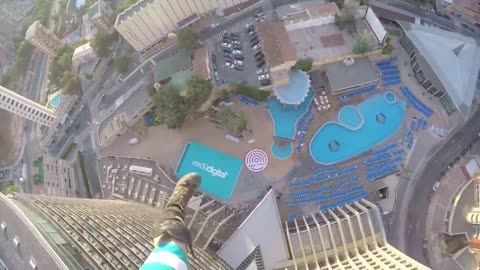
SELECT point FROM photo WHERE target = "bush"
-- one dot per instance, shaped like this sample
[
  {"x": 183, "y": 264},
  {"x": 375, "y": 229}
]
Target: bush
[
  {"x": 388, "y": 49},
  {"x": 346, "y": 20},
  {"x": 303, "y": 64},
  {"x": 234, "y": 123},
  {"x": 251, "y": 92},
  {"x": 187, "y": 39},
  {"x": 121, "y": 63}
]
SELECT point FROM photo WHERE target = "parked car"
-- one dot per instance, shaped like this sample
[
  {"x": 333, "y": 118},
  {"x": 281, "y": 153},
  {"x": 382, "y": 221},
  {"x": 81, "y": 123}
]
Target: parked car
[
  {"x": 254, "y": 43},
  {"x": 259, "y": 57},
  {"x": 261, "y": 71},
  {"x": 258, "y": 53},
  {"x": 217, "y": 78},
  {"x": 251, "y": 28},
  {"x": 238, "y": 57},
  {"x": 238, "y": 62},
  {"x": 237, "y": 47},
  {"x": 263, "y": 77},
  {"x": 265, "y": 82},
  {"x": 226, "y": 45},
  {"x": 226, "y": 40},
  {"x": 226, "y": 54},
  {"x": 229, "y": 65},
  {"x": 256, "y": 47},
  {"x": 236, "y": 35},
  {"x": 228, "y": 59},
  {"x": 252, "y": 33},
  {"x": 253, "y": 39},
  {"x": 237, "y": 42},
  {"x": 260, "y": 63},
  {"x": 238, "y": 67},
  {"x": 238, "y": 52},
  {"x": 227, "y": 50},
  {"x": 248, "y": 25},
  {"x": 214, "y": 25}
]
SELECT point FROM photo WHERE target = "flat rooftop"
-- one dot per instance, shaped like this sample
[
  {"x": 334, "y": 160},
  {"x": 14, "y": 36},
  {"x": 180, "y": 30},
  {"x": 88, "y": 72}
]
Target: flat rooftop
[
  {"x": 325, "y": 42},
  {"x": 132, "y": 10},
  {"x": 342, "y": 76}
]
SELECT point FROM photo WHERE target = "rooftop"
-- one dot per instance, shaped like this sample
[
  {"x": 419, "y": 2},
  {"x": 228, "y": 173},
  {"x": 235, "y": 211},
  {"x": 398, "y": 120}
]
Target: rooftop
[
  {"x": 171, "y": 65},
  {"x": 200, "y": 63},
  {"x": 137, "y": 7},
  {"x": 308, "y": 8},
  {"x": 251, "y": 234},
  {"x": 275, "y": 43},
  {"x": 458, "y": 67},
  {"x": 343, "y": 76}
]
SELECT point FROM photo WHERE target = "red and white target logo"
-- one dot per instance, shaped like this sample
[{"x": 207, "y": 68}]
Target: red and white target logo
[{"x": 256, "y": 160}]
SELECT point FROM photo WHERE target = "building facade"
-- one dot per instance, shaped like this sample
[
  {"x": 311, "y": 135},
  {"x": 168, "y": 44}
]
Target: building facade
[
  {"x": 44, "y": 40},
  {"x": 59, "y": 177},
  {"x": 84, "y": 233},
  {"x": 148, "y": 22},
  {"x": 24, "y": 107}
]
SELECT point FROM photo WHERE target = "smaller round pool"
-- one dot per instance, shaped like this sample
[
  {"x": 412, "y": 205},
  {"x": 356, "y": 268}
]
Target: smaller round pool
[
  {"x": 390, "y": 97},
  {"x": 349, "y": 116},
  {"x": 55, "y": 101},
  {"x": 282, "y": 152}
]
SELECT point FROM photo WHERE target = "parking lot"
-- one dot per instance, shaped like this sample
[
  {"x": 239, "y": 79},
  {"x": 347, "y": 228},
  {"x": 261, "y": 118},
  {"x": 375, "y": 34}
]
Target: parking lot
[
  {"x": 235, "y": 55},
  {"x": 150, "y": 185}
]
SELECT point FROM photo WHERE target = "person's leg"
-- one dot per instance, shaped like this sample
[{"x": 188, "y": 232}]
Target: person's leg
[{"x": 169, "y": 233}]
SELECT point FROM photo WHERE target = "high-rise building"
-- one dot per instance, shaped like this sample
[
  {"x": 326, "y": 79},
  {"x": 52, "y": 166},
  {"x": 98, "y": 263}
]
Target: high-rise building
[
  {"x": 43, "y": 232},
  {"x": 40, "y": 37},
  {"x": 59, "y": 176},
  {"x": 147, "y": 22},
  {"x": 25, "y": 108}
]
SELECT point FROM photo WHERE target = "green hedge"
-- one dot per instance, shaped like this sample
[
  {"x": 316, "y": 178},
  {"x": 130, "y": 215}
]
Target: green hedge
[{"x": 251, "y": 92}]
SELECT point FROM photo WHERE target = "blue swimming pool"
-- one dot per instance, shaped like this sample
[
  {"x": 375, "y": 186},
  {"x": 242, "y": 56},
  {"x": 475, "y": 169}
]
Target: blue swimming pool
[
  {"x": 55, "y": 101},
  {"x": 284, "y": 118},
  {"x": 336, "y": 141},
  {"x": 282, "y": 152},
  {"x": 350, "y": 116}
]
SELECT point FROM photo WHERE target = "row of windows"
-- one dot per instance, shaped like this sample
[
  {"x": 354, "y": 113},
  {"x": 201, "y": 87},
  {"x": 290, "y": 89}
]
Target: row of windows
[{"x": 10, "y": 101}]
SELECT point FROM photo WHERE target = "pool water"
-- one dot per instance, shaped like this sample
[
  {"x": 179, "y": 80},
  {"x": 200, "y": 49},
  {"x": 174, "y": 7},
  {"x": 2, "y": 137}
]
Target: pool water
[
  {"x": 350, "y": 117},
  {"x": 284, "y": 119},
  {"x": 381, "y": 120},
  {"x": 55, "y": 101},
  {"x": 282, "y": 153},
  {"x": 390, "y": 97}
]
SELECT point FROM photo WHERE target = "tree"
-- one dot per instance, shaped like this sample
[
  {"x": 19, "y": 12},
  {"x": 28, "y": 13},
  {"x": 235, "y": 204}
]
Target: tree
[
  {"x": 187, "y": 39},
  {"x": 121, "y": 63},
  {"x": 170, "y": 107},
  {"x": 126, "y": 4},
  {"x": 61, "y": 63},
  {"x": 71, "y": 84},
  {"x": 9, "y": 189},
  {"x": 251, "y": 92},
  {"x": 24, "y": 53},
  {"x": 198, "y": 92},
  {"x": 361, "y": 44},
  {"x": 234, "y": 123},
  {"x": 303, "y": 64},
  {"x": 346, "y": 20},
  {"x": 101, "y": 44}
]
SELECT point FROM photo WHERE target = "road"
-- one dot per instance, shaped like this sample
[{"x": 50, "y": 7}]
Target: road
[
  {"x": 33, "y": 93},
  {"x": 408, "y": 229}
]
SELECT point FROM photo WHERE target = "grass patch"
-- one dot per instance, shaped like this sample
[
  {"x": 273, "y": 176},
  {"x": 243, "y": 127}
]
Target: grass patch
[
  {"x": 39, "y": 177},
  {"x": 84, "y": 175}
]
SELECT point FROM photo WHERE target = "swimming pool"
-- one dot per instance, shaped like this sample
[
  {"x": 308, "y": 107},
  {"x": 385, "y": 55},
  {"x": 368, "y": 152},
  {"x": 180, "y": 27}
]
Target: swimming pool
[
  {"x": 282, "y": 153},
  {"x": 55, "y": 101},
  {"x": 284, "y": 119},
  {"x": 337, "y": 141},
  {"x": 351, "y": 117},
  {"x": 390, "y": 97},
  {"x": 218, "y": 170}
]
